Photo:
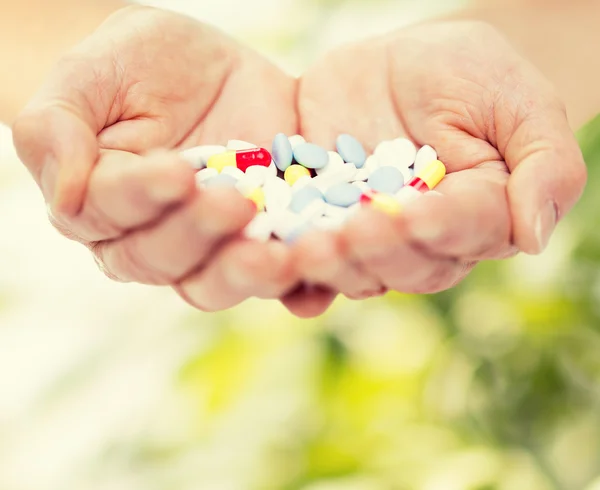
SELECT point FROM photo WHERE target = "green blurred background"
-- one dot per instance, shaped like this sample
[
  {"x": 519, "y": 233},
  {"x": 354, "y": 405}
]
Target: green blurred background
[{"x": 494, "y": 385}]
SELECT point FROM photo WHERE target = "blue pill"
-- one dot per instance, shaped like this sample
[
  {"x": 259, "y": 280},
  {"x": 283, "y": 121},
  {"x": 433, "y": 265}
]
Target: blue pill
[
  {"x": 311, "y": 156},
  {"x": 282, "y": 152},
  {"x": 386, "y": 179},
  {"x": 343, "y": 195},
  {"x": 223, "y": 180},
  {"x": 351, "y": 150},
  {"x": 303, "y": 197}
]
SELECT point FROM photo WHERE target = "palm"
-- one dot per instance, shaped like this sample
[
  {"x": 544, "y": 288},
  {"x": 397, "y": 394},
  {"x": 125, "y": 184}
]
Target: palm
[
  {"x": 454, "y": 89},
  {"x": 178, "y": 90}
]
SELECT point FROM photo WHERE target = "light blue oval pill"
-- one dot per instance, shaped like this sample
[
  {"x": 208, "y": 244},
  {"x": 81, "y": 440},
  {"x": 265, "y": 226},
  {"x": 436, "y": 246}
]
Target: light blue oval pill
[
  {"x": 282, "y": 152},
  {"x": 351, "y": 150},
  {"x": 386, "y": 179},
  {"x": 343, "y": 195},
  {"x": 224, "y": 180},
  {"x": 311, "y": 156},
  {"x": 303, "y": 197}
]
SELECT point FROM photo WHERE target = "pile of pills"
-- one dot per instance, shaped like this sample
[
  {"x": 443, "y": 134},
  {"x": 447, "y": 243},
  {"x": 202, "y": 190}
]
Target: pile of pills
[{"x": 300, "y": 186}]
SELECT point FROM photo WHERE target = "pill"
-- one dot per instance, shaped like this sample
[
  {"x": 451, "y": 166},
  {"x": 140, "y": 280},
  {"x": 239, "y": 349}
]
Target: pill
[
  {"x": 363, "y": 186},
  {"x": 428, "y": 178},
  {"x": 221, "y": 180},
  {"x": 296, "y": 140},
  {"x": 372, "y": 164},
  {"x": 382, "y": 202},
  {"x": 310, "y": 155},
  {"x": 295, "y": 172},
  {"x": 303, "y": 197},
  {"x": 278, "y": 194},
  {"x": 315, "y": 209},
  {"x": 199, "y": 155},
  {"x": 206, "y": 174},
  {"x": 257, "y": 196},
  {"x": 301, "y": 182},
  {"x": 407, "y": 195},
  {"x": 272, "y": 169},
  {"x": 282, "y": 152},
  {"x": 241, "y": 159},
  {"x": 336, "y": 212},
  {"x": 260, "y": 228},
  {"x": 398, "y": 152},
  {"x": 335, "y": 162},
  {"x": 343, "y": 195},
  {"x": 386, "y": 179},
  {"x": 235, "y": 172},
  {"x": 406, "y": 151},
  {"x": 386, "y": 204},
  {"x": 286, "y": 223},
  {"x": 362, "y": 175},
  {"x": 238, "y": 145},
  {"x": 259, "y": 173},
  {"x": 425, "y": 156},
  {"x": 351, "y": 150}
]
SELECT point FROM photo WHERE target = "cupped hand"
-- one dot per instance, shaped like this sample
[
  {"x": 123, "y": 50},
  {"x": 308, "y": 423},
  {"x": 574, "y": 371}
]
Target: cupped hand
[
  {"x": 149, "y": 79},
  {"x": 514, "y": 166}
]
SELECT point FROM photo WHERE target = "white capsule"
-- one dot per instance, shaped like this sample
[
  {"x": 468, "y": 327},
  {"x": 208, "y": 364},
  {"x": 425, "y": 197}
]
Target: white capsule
[
  {"x": 260, "y": 228},
  {"x": 340, "y": 175},
  {"x": 335, "y": 163},
  {"x": 199, "y": 155},
  {"x": 205, "y": 174},
  {"x": 424, "y": 157},
  {"x": 296, "y": 140},
  {"x": 239, "y": 145},
  {"x": 278, "y": 194},
  {"x": 407, "y": 195},
  {"x": 235, "y": 172}
]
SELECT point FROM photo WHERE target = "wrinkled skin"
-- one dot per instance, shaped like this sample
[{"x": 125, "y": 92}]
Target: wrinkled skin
[
  {"x": 514, "y": 166},
  {"x": 149, "y": 80}
]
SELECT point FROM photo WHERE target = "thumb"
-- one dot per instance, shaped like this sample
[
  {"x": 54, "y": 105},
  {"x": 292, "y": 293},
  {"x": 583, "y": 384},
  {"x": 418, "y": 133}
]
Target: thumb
[{"x": 56, "y": 134}]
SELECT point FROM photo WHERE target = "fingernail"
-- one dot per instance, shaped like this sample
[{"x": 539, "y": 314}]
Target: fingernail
[
  {"x": 545, "y": 224},
  {"x": 48, "y": 178}
]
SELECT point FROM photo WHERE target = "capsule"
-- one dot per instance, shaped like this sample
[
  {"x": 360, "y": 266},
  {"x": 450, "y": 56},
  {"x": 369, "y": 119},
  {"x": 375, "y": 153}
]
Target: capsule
[
  {"x": 242, "y": 159},
  {"x": 382, "y": 202},
  {"x": 428, "y": 178}
]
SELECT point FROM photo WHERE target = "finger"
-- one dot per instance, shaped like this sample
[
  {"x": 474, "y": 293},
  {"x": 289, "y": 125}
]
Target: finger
[
  {"x": 309, "y": 301},
  {"x": 381, "y": 245},
  {"x": 548, "y": 174},
  {"x": 323, "y": 261},
  {"x": 241, "y": 269},
  {"x": 468, "y": 217},
  {"x": 55, "y": 135},
  {"x": 127, "y": 191},
  {"x": 178, "y": 243}
]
